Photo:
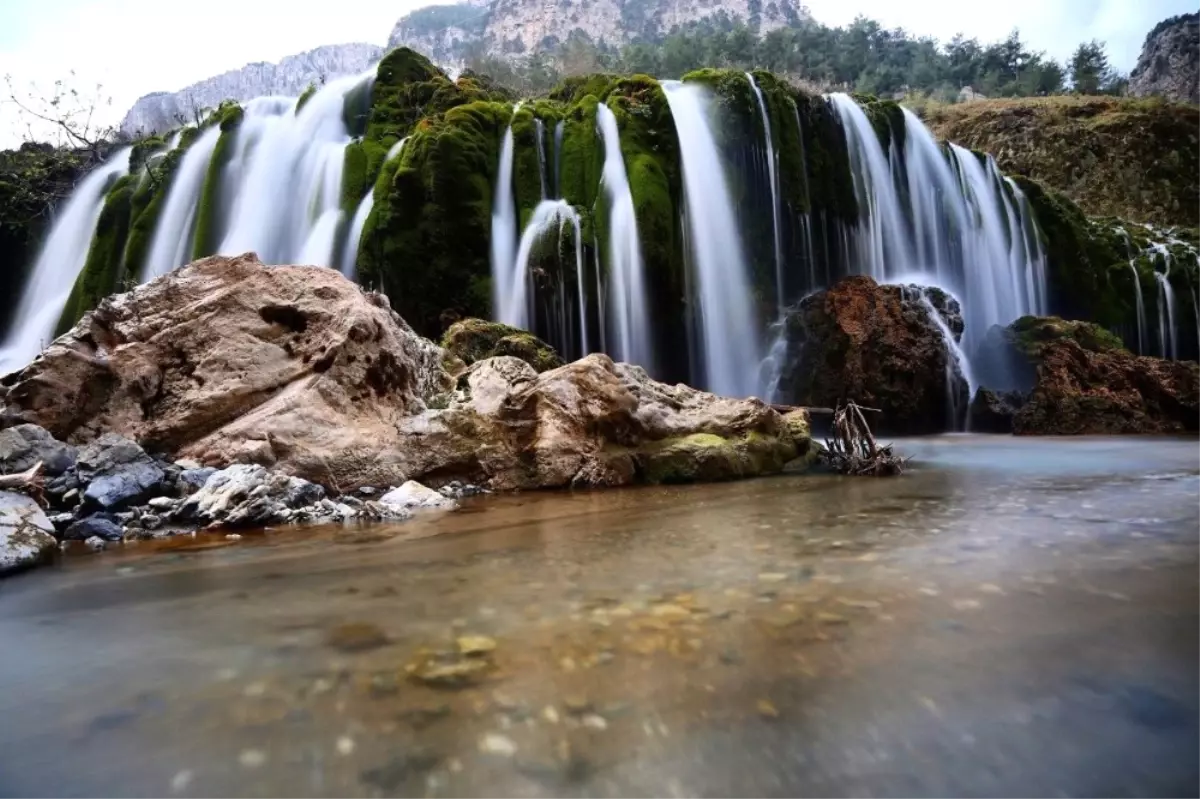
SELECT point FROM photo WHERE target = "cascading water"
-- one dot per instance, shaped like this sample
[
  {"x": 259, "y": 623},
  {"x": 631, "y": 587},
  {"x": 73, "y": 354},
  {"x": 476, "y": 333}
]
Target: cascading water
[
  {"x": 729, "y": 330},
  {"x": 957, "y": 362},
  {"x": 558, "y": 140},
  {"x": 504, "y": 224},
  {"x": 772, "y": 163},
  {"x": 349, "y": 259},
  {"x": 631, "y": 338},
  {"x": 286, "y": 198},
  {"x": 539, "y": 133},
  {"x": 58, "y": 265},
  {"x": 1167, "y": 336},
  {"x": 515, "y": 307},
  {"x": 171, "y": 245}
]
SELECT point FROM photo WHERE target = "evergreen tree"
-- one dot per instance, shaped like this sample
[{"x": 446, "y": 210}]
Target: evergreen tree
[{"x": 1090, "y": 70}]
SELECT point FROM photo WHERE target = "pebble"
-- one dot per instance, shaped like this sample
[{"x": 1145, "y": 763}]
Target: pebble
[
  {"x": 772, "y": 577},
  {"x": 550, "y": 714},
  {"x": 595, "y": 722},
  {"x": 252, "y": 758},
  {"x": 180, "y": 781},
  {"x": 475, "y": 644},
  {"x": 831, "y": 618},
  {"x": 496, "y": 744},
  {"x": 345, "y": 745},
  {"x": 967, "y": 604},
  {"x": 767, "y": 709}
]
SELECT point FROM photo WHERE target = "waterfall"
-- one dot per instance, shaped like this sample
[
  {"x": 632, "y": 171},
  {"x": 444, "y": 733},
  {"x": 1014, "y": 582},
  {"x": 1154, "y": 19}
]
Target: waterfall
[
  {"x": 504, "y": 224},
  {"x": 515, "y": 308},
  {"x": 1141, "y": 308},
  {"x": 729, "y": 329},
  {"x": 771, "y": 369},
  {"x": 558, "y": 140},
  {"x": 772, "y": 162},
  {"x": 627, "y": 300},
  {"x": 58, "y": 265},
  {"x": 349, "y": 259},
  {"x": 171, "y": 245},
  {"x": 281, "y": 194},
  {"x": 540, "y": 134},
  {"x": 1168, "y": 337},
  {"x": 956, "y": 360}
]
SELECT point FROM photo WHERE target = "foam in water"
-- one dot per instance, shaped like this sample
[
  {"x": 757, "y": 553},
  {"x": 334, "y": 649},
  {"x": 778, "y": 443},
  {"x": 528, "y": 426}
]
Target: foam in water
[
  {"x": 729, "y": 330},
  {"x": 284, "y": 198},
  {"x": 504, "y": 224},
  {"x": 171, "y": 245},
  {"x": 630, "y": 338},
  {"x": 772, "y": 161},
  {"x": 58, "y": 265}
]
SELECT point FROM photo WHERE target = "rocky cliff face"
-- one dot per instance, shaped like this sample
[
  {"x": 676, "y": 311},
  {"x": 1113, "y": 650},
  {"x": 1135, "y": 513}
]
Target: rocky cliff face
[
  {"x": 1170, "y": 62},
  {"x": 513, "y": 27},
  {"x": 162, "y": 111}
]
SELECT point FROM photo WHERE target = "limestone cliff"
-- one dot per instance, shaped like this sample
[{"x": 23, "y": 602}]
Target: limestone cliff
[
  {"x": 162, "y": 111},
  {"x": 1170, "y": 62},
  {"x": 512, "y": 27}
]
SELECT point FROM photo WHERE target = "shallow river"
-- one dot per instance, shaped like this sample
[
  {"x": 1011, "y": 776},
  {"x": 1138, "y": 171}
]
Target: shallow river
[{"x": 1010, "y": 617}]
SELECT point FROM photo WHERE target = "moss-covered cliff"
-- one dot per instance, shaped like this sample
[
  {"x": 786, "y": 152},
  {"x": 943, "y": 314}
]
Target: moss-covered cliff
[{"x": 1138, "y": 159}]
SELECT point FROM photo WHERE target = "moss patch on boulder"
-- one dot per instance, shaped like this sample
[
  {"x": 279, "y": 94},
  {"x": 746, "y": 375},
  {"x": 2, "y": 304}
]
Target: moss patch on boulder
[{"x": 473, "y": 340}]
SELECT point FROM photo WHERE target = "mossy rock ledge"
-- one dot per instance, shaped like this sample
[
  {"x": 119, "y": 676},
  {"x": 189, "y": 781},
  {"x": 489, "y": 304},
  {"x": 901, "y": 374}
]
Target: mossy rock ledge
[{"x": 472, "y": 340}]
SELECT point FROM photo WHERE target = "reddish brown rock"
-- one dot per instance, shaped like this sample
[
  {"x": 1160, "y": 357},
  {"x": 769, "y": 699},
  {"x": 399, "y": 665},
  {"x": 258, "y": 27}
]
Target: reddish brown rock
[
  {"x": 878, "y": 346},
  {"x": 1087, "y": 383},
  {"x": 296, "y": 368}
]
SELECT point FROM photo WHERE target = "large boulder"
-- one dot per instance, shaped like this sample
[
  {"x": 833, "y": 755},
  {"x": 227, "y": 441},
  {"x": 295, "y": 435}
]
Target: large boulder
[
  {"x": 1169, "y": 65},
  {"x": 226, "y": 361},
  {"x": 26, "y": 534},
  {"x": 26, "y": 444},
  {"x": 1088, "y": 383},
  {"x": 882, "y": 347}
]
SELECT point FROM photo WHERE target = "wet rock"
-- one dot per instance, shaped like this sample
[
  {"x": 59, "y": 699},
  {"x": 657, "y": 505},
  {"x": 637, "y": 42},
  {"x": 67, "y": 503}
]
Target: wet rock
[
  {"x": 94, "y": 527},
  {"x": 26, "y": 535},
  {"x": 456, "y": 490},
  {"x": 190, "y": 480},
  {"x": 448, "y": 669},
  {"x": 26, "y": 444},
  {"x": 150, "y": 521},
  {"x": 993, "y": 411},
  {"x": 117, "y": 472},
  {"x": 879, "y": 346},
  {"x": 413, "y": 495},
  {"x": 475, "y": 644},
  {"x": 496, "y": 744},
  {"x": 95, "y": 543},
  {"x": 249, "y": 495}
]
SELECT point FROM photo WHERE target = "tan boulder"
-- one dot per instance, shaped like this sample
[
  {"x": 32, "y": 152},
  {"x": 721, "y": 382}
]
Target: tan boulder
[{"x": 229, "y": 361}]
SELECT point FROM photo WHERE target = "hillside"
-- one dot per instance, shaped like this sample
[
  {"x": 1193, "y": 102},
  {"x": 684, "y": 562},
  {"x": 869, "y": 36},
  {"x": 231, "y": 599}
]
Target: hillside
[{"x": 1125, "y": 157}]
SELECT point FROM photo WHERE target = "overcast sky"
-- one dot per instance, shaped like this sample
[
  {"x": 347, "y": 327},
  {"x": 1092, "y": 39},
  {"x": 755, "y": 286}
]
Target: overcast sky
[{"x": 134, "y": 47}]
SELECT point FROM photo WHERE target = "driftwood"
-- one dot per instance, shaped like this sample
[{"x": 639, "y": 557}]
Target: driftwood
[
  {"x": 27, "y": 482},
  {"x": 853, "y": 450},
  {"x": 778, "y": 408}
]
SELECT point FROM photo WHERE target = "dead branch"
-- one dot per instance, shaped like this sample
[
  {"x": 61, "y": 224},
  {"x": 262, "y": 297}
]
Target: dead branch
[
  {"x": 28, "y": 482},
  {"x": 852, "y": 448}
]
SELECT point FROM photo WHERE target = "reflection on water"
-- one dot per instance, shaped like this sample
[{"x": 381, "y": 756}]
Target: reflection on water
[{"x": 1011, "y": 616}]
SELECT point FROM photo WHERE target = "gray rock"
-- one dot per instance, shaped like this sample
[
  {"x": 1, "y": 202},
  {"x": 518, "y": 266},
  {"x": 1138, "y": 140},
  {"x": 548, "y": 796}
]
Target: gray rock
[
  {"x": 117, "y": 472},
  {"x": 414, "y": 495},
  {"x": 94, "y": 527},
  {"x": 62, "y": 521},
  {"x": 151, "y": 521},
  {"x": 300, "y": 493},
  {"x": 162, "y": 503},
  {"x": 26, "y": 535},
  {"x": 71, "y": 498},
  {"x": 26, "y": 444},
  {"x": 95, "y": 542},
  {"x": 187, "y": 464},
  {"x": 249, "y": 495},
  {"x": 191, "y": 480},
  {"x": 1169, "y": 65}
]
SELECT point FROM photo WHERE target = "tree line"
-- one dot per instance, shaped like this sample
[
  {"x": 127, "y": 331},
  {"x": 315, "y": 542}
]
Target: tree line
[{"x": 862, "y": 57}]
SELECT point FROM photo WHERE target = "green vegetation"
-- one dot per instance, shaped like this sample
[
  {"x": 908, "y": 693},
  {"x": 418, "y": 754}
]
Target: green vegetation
[
  {"x": 473, "y": 340},
  {"x": 208, "y": 224},
  {"x": 103, "y": 270}
]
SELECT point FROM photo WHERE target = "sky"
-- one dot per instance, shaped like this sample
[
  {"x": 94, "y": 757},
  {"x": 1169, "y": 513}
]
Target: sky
[{"x": 134, "y": 47}]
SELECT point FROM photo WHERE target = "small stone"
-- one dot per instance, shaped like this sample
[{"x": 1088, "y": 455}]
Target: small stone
[
  {"x": 345, "y": 745},
  {"x": 772, "y": 577},
  {"x": 162, "y": 503},
  {"x": 990, "y": 588},
  {"x": 550, "y": 714},
  {"x": 670, "y": 612},
  {"x": 457, "y": 672},
  {"x": 254, "y": 689},
  {"x": 967, "y": 604},
  {"x": 181, "y": 780},
  {"x": 831, "y": 618},
  {"x": 252, "y": 758},
  {"x": 356, "y": 637},
  {"x": 767, "y": 709},
  {"x": 95, "y": 543},
  {"x": 594, "y": 721},
  {"x": 928, "y": 590},
  {"x": 577, "y": 704},
  {"x": 496, "y": 744},
  {"x": 471, "y": 645}
]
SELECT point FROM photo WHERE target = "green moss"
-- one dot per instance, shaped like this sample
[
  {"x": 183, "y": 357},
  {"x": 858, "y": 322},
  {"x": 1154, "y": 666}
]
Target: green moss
[
  {"x": 703, "y": 457},
  {"x": 208, "y": 221},
  {"x": 473, "y": 340},
  {"x": 101, "y": 273},
  {"x": 1031, "y": 333},
  {"x": 147, "y": 203},
  {"x": 305, "y": 96}
]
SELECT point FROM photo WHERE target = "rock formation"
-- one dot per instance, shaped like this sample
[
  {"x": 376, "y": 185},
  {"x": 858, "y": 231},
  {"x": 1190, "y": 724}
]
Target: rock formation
[
  {"x": 878, "y": 346},
  {"x": 1169, "y": 65},
  {"x": 446, "y": 33},
  {"x": 226, "y": 361},
  {"x": 1087, "y": 383},
  {"x": 163, "y": 111},
  {"x": 472, "y": 340}
]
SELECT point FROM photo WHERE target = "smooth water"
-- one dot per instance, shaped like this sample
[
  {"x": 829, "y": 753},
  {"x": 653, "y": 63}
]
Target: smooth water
[
  {"x": 171, "y": 245},
  {"x": 58, "y": 265},
  {"x": 772, "y": 166},
  {"x": 1012, "y": 617},
  {"x": 727, "y": 320},
  {"x": 504, "y": 225},
  {"x": 629, "y": 335},
  {"x": 516, "y": 307},
  {"x": 1168, "y": 337},
  {"x": 539, "y": 132},
  {"x": 283, "y": 201}
]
